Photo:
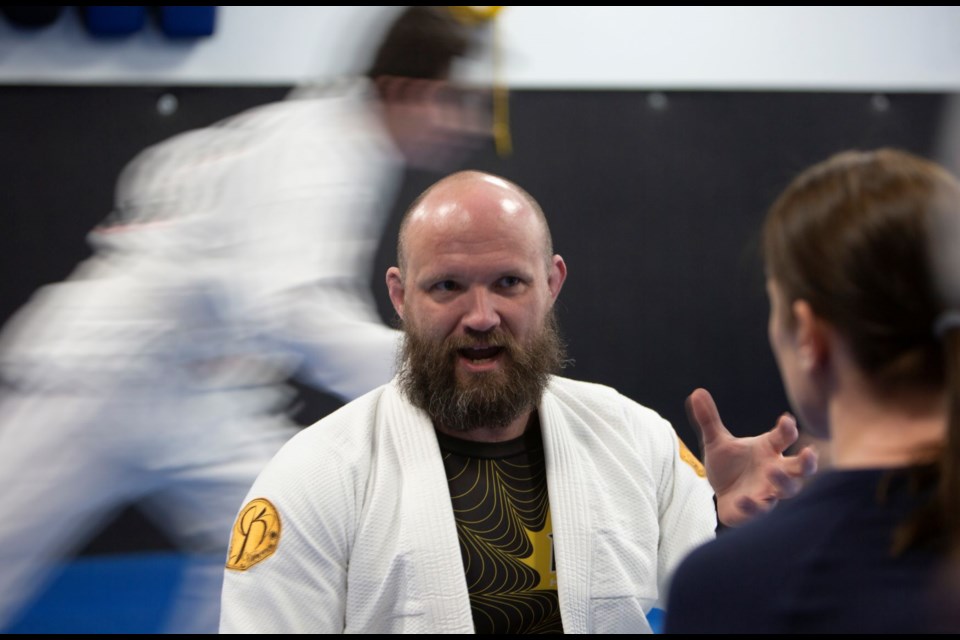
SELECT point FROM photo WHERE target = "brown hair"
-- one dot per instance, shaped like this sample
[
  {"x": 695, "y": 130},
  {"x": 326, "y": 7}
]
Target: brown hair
[
  {"x": 422, "y": 42},
  {"x": 852, "y": 236}
]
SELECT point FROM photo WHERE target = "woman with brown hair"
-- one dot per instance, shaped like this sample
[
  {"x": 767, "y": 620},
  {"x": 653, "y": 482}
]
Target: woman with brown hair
[{"x": 865, "y": 328}]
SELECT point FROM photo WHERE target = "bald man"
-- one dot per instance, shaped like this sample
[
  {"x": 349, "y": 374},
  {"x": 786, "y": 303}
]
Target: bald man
[{"x": 478, "y": 491}]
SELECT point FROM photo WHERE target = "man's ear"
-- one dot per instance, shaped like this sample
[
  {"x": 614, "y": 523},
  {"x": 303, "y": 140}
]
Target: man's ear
[
  {"x": 395, "y": 287},
  {"x": 556, "y": 277},
  {"x": 811, "y": 337}
]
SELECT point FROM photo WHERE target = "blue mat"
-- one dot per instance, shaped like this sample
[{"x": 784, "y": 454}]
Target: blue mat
[{"x": 122, "y": 593}]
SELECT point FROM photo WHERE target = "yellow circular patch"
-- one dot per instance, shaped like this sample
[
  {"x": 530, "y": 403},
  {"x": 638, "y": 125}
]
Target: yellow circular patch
[
  {"x": 256, "y": 535},
  {"x": 687, "y": 456}
]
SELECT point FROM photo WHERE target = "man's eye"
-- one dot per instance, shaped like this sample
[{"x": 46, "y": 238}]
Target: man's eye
[
  {"x": 445, "y": 285},
  {"x": 508, "y": 282}
]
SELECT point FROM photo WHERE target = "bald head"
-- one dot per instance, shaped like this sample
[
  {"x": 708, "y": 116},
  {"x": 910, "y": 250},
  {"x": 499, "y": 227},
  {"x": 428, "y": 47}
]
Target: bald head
[{"x": 473, "y": 196}]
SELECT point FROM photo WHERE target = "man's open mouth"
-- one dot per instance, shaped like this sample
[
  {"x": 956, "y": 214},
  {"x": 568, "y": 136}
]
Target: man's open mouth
[{"x": 480, "y": 354}]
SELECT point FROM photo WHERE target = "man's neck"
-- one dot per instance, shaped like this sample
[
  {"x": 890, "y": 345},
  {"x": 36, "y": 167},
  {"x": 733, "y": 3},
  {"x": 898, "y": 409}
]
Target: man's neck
[{"x": 492, "y": 434}]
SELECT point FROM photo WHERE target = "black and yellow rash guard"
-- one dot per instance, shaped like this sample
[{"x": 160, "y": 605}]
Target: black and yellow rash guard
[{"x": 499, "y": 494}]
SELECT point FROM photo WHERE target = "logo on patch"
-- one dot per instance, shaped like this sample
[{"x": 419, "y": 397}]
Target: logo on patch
[
  {"x": 687, "y": 456},
  {"x": 256, "y": 535}
]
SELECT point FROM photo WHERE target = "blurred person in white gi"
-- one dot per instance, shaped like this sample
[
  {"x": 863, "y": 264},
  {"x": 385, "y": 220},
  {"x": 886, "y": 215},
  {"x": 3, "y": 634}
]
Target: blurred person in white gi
[{"x": 237, "y": 256}]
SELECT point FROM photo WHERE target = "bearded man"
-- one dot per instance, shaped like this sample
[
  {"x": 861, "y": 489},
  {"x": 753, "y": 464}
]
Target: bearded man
[{"x": 479, "y": 491}]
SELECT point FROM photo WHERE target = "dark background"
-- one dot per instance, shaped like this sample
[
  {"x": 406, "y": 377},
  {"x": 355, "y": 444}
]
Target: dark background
[{"x": 655, "y": 201}]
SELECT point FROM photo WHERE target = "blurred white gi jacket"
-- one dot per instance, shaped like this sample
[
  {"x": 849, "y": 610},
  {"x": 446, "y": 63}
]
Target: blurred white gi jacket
[{"x": 237, "y": 255}]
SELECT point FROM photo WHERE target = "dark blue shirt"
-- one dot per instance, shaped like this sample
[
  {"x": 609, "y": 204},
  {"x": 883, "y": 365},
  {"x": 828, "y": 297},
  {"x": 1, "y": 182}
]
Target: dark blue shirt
[{"x": 819, "y": 563}]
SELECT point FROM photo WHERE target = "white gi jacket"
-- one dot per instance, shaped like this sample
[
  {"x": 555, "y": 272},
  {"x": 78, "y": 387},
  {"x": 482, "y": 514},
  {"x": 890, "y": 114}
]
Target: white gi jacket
[{"x": 368, "y": 542}]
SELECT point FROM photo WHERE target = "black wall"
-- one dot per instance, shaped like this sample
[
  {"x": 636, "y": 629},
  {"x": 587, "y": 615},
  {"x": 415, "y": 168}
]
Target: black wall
[{"x": 655, "y": 201}]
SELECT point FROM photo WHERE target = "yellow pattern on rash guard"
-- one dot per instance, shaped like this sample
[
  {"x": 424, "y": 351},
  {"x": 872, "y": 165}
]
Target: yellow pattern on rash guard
[{"x": 500, "y": 502}]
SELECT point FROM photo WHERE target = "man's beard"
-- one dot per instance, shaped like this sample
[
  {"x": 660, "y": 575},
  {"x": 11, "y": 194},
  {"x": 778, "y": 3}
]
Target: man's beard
[{"x": 427, "y": 374}]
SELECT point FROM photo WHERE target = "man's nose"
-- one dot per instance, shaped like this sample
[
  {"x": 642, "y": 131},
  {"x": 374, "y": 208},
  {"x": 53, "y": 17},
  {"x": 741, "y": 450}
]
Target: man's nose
[{"x": 481, "y": 314}]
